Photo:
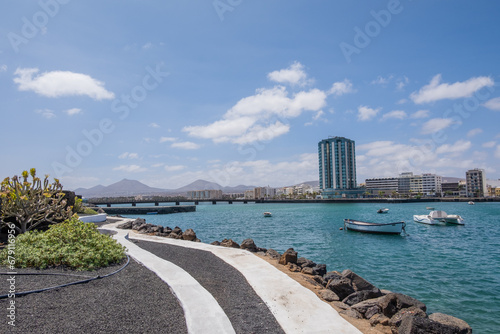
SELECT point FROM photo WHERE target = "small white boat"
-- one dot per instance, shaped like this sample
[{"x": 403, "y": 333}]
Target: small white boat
[
  {"x": 429, "y": 208},
  {"x": 267, "y": 214},
  {"x": 439, "y": 218},
  {"x": 471, "y": 203},
  {"x": 366, "y": 227},
  {"x": 383, "y": 210}
]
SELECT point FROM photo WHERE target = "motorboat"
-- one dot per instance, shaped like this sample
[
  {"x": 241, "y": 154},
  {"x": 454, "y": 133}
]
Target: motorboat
[
  {"x": 383, "y": 210},
  {"x": 429, "y": 208},
  {"x": 381, "y": 228},
  {"x": 439, "y": 218},
  {"x": 471, "y": 203},
  {"x": 268, "y": 214}
]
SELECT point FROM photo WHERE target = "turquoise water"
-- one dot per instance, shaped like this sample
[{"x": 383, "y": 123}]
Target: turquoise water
[{"x": 452, "y": 269}]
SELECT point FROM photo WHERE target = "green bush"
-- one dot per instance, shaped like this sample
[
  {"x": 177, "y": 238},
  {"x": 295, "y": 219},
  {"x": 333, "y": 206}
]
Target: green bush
[
  {"x": 72, "y": 244},
  {"x": 89, "y": 211}
]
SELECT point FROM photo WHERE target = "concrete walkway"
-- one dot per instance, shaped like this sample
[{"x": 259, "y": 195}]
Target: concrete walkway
[{"x": 296, "y": 308}]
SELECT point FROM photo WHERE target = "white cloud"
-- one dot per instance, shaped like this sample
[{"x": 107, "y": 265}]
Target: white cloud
[
  {"x": 293, "y": 75},
  {"x": 436, "y": 124},
  {"x": 130, "y": 168},
  {"x": 174, "y": 168},
  {"x": 457, "y": 148},
  {"x": 381, "y": 80},
  {"x": 157, "y": 165},
  {"x": 127, "y": 155},
  {"x": 493, "y": 104},
  {"x": 401, "y": 83},
  {"x": 420, "y": 114},
  {"x": 3, "y": 68},
  {"x": 497, "y": 152},
  {"x": 253, "y": 115},
  {"x": 167, "y": 139},
  {"x": 46, "y": 113},
  {"x": 60, "y": 83},
  {"x": 153, "y": 125},
  {"x": 73, "y": 111},
  {"x": 148, "y": 45},
  {"x": 187, "y": 145},
  {"x": 474, "y": 132},
  {"x": 341, "y": 88},
  {"x": 436, "y": 90},
  {"x": 397, "y": 114},
  {"x": 318, "y": 115},
  {"x": 366, "y": 113},
  {"x": 489, "y": 144}
]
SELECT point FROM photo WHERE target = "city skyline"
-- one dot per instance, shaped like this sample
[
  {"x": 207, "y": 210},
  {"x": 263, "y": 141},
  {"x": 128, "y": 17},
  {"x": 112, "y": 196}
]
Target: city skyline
[{"x": 169, "y": 93}]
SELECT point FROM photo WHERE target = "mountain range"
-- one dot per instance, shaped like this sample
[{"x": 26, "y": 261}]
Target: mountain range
[{"x": 128, "y": 187}]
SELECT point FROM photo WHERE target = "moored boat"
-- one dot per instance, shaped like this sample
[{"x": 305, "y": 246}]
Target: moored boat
[
  {"x": 471, "y": 203},
  {"x": 367, "y": 227},
  {"x": 439, "y": 218},
  {"x": 268, "y": 214},
  {"x": 383, "y": 210}
]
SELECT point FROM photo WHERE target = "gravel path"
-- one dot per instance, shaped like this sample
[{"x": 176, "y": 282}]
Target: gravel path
[
  {"x": 134, "y": 300},
  {"x": 246, "y": 311}
]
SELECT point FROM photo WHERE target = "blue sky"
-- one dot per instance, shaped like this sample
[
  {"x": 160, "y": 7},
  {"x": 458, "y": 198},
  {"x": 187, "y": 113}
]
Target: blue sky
[{"x": 241, "y": 92}]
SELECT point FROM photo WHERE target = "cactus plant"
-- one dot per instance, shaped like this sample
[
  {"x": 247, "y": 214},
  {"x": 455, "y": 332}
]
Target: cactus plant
[{"x": 29, "y": 204}]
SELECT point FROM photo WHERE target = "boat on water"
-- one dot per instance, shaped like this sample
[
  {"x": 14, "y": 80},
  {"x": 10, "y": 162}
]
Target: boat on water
[
  {"x": 268, "y": 214},
  {"x": 383, "y": 210},
  {"x": 429, "y": 208},
  {"x": 152, "y": 213},
  {"x": 439, "y": 218},
  {"x": 471, "y": 203},
  {"x": 380, "y": 228}
]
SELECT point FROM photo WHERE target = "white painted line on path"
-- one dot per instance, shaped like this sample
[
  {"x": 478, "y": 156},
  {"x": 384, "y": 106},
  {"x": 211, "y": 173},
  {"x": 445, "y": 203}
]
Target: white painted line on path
[
  {"x": 296, "y": 308},
  {"x": 202, "y": 312}
]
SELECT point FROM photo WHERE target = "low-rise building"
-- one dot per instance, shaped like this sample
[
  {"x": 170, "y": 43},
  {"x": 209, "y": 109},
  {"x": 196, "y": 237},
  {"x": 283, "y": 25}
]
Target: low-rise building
[{"x": 204, "y": 194}]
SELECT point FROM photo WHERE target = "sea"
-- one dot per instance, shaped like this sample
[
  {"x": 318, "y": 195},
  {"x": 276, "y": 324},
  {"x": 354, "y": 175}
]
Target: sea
[{"x": 452, "y": 269}]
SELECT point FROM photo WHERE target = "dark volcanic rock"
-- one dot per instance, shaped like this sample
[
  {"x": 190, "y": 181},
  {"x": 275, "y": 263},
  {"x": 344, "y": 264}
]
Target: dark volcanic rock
[
  {"x": 328, "y": 295},
  {"x": 215, "y": 243},
  {"x": 332, "y": 275},
  {"x": 293, "y": 267},
  {"x": 352, "y": 313},
  {"x": 419, "y": 325},
  {"x": 359, "y": 296},
  {"x": 320, "y": 269},
  {"x": 229, "y": 243},
  {"x": 177, "y": 230},
  {"x": 289, "y": 256},
  {"x": 273, "y": 254},
  {"x": 406, "y": 312},
  {"x": 126, "y": 226},
  {"x": 358, "y": 282},
  {"x": 308, "y": 271},
  {"x": 249, "y": 245},
  {"x": 189, "y": 235},
  {"x": 460, "y": 326},
  {"x": 393, "y": 302},
  {"x": 305, "y": 263},
  {"x": 341, "y": 286}
]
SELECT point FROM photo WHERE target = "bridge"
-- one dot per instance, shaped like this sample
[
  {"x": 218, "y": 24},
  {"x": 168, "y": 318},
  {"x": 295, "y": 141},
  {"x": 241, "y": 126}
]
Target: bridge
[{"x": 110, "y": 201}]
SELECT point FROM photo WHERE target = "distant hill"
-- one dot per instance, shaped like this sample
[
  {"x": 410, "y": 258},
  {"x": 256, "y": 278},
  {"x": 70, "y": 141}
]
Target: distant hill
[
  {"x": 124, "y": 187},
  {"x": 127, "y": 187}
]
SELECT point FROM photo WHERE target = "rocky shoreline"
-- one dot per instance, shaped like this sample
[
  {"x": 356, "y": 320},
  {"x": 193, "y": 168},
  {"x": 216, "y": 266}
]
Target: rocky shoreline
[{"x": 355, "y": 297}]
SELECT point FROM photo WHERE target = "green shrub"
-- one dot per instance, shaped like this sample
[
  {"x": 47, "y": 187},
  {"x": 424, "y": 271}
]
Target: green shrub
[
  {"x": 78, "y": 207},
  {"x": 72, "y": 244},
  {"x": 89, "y": 211}
]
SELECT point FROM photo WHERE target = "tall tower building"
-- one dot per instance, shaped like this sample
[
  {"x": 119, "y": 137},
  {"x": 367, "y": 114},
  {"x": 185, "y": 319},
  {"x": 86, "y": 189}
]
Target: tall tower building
[
  {"x": 476, "y": 182},
  {"x": 337, "y": 166}
]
